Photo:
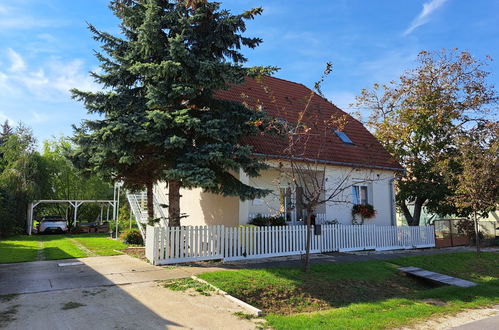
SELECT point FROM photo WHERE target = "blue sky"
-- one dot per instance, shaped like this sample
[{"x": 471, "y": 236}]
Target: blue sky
[{"x": 45, "y": 48}]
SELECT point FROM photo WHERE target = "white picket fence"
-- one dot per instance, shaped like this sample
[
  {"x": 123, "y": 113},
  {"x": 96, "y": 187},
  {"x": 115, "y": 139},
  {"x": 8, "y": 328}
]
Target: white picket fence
[{"x": 169, "y": 245}]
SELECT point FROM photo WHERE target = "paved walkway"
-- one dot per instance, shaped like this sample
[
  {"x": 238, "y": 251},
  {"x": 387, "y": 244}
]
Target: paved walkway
[
  {"x": 331, "y": 258},
  {"x": 490, "y": 323}
]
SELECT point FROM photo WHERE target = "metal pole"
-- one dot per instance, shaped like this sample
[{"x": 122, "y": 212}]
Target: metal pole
[
  {"x": 117, "y": 207},
  {"x": 100, "y": 219},
  {"x": 114, "y": 208},
  {"x": 76, "y": 213},
  {"x": 30, "y": 218}
]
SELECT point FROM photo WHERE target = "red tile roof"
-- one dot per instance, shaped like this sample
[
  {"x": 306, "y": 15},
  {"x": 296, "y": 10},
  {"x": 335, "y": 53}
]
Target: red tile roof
[{"x": 285, "y": 99}]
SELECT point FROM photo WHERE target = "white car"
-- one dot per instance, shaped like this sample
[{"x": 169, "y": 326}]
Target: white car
[{"x": 53, "y": 224}]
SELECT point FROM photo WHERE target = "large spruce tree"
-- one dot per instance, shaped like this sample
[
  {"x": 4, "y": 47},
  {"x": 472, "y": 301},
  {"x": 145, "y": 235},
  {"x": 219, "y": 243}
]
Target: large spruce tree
[{"x": 159, "y": 117}]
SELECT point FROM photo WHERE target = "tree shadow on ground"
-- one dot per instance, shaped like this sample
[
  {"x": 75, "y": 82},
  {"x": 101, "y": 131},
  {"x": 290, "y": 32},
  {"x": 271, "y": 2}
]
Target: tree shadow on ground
[
  {"x": 289, "y": 290},
  {"x": 70, "y": 296}
]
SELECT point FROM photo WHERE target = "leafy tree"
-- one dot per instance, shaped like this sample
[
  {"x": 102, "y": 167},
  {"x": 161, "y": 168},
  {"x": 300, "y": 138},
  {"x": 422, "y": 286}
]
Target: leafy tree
[
  {"x": 476, "y": 184},
  {"x": 161, "y": 119},
  {"x": 418, "y": 118},
  {"x": 24, "y": 177},
  {"x": 69, "y": 182}
]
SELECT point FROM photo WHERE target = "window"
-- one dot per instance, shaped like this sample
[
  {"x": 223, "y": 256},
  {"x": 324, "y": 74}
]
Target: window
[
  {"x": 257, "y": 202},
  {"x": 286, "y": 203},
  {"x": 360, "y": 194},
  {"x": 343, "y": 137}
]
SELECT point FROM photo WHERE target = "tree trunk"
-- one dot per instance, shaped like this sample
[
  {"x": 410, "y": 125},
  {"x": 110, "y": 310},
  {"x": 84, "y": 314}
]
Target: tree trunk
[
  {"x": 412, "y": 220},
  {"x": 174, "y": 203},
  {"x": 307, "y": 243},
  {"x": 150, "y": 201},
  {"x": 477, "y": 234}
]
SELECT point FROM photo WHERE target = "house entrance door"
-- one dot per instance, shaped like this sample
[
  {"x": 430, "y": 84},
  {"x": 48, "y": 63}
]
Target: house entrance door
[{"x": 291, "y": 205}]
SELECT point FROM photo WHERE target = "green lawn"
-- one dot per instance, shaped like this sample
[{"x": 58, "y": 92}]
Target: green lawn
[
  {"x": 363, "y": 295},
  {"x": 51, "y": 247},
  {"x": 99, "y": 246},
  {"x": 18, "y": 248}
]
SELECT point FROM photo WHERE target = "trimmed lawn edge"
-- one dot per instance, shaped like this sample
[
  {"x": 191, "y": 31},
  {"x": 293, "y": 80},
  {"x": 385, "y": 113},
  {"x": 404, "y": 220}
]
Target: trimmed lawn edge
[{"x": 252, "y": 309}]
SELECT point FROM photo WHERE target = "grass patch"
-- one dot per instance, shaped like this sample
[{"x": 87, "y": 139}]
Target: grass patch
[
  {"x": 60, "y": 247},
  {"x": 72, "y": 305},
  {"x": 100, "y": 244},
  {"x": 8, "y": 315},
  {"x": 18, "y": 249},
  {"x": 244, "y": 316},
  {"x": 463, "y": 265},
  {"x": 53, "y": 247},
  {"x": 371, "y": 294},
  {"x": 8, "y": 297},
  {"x": 189, "y": 285},
  {"x": 289, "y": 290}
]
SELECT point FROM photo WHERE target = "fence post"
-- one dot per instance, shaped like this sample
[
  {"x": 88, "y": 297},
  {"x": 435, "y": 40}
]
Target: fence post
[{"x": 152, "y": 241}]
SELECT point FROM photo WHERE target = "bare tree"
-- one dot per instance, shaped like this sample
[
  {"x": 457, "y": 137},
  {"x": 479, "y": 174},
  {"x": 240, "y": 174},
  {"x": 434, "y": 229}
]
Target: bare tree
[{"x": 303, "y": 165}]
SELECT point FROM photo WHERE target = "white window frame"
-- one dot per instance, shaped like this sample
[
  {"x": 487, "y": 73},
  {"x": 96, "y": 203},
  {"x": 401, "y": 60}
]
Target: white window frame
[{"x": 357, "y": 189}]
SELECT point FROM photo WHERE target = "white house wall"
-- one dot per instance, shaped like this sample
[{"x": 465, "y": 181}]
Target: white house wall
[
  {"x": 380, "y": 185},
  {"x": 210, "y": 209},
  {"x": 204, "y": 208},
  {"x": 381, "y": 196}
]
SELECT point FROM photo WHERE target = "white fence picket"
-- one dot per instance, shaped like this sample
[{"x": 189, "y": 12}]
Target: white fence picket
[{"x": 166, "y": 245}]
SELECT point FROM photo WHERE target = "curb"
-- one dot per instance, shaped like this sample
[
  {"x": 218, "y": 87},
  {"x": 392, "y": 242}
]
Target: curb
[{"x": 253, "y": 310}]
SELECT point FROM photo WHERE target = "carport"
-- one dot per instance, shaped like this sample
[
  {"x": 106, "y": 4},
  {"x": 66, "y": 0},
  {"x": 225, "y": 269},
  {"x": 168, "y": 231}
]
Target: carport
[{"x": 75, "y": 203}]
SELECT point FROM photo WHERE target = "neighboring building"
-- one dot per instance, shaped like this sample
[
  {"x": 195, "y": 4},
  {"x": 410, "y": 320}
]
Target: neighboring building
[{"x": 352, "y": 156}]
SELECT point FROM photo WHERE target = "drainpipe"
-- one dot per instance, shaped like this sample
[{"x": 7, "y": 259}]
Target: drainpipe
[{"x": 392, "y": 206}]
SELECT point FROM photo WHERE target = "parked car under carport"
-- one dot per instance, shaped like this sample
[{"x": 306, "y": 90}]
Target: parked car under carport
[{"x": 52, "y": 224}]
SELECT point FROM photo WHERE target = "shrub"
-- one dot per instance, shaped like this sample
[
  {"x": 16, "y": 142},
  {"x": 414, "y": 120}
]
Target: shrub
[
  {"x": 277, "y": 221},
  {"x": 132, "y": 236},
  {"x": 262, "y": 221},
  {"x": 259, "y": 221}
]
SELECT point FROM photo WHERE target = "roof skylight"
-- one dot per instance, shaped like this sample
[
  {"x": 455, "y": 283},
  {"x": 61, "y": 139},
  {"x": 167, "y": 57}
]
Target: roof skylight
[{"x": 343, "y": 136}]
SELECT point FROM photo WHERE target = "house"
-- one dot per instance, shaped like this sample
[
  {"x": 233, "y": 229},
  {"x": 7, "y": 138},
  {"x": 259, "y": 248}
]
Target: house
[{"x": 350, "y": 157}]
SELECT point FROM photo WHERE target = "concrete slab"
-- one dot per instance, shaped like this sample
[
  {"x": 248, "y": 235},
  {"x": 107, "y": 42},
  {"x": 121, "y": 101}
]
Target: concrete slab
[
  {"x": 134, "y": 306},
  {"x": 30, "y": 277},
  {"x": 490, "y": 323},
  {"x": 437, "y": 277}
]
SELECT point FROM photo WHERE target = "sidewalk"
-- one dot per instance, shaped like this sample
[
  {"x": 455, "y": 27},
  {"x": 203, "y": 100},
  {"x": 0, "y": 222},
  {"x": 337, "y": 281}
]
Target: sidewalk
[{"x": 330, "y": 258}]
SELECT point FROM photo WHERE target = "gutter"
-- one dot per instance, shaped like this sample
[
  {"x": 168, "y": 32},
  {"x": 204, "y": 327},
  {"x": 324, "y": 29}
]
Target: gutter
[
  {"x": 331, "y": 162},
  {"x": 392, "y": 205}
]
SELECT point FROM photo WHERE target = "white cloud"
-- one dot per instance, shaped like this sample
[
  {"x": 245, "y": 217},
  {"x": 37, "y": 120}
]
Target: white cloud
[
  {"x": 424, "y": 16},
  {"x": 48, "y": 81},
  {"x": 17, "y": 62}
]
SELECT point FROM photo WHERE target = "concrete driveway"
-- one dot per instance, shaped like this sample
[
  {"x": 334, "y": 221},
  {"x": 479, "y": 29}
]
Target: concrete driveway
[{"x": 118, "y": 292}]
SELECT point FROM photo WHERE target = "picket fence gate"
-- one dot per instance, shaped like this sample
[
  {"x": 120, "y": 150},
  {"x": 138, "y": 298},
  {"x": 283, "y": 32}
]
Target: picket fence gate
[{"x": 169, "y": 245}]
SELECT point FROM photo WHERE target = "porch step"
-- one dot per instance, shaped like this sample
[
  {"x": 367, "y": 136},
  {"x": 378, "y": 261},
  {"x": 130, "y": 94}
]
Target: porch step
[{"x": 444, "y": 279}]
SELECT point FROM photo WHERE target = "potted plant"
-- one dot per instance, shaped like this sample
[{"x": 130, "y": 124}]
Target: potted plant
[{"x": 362, "y": 211}]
